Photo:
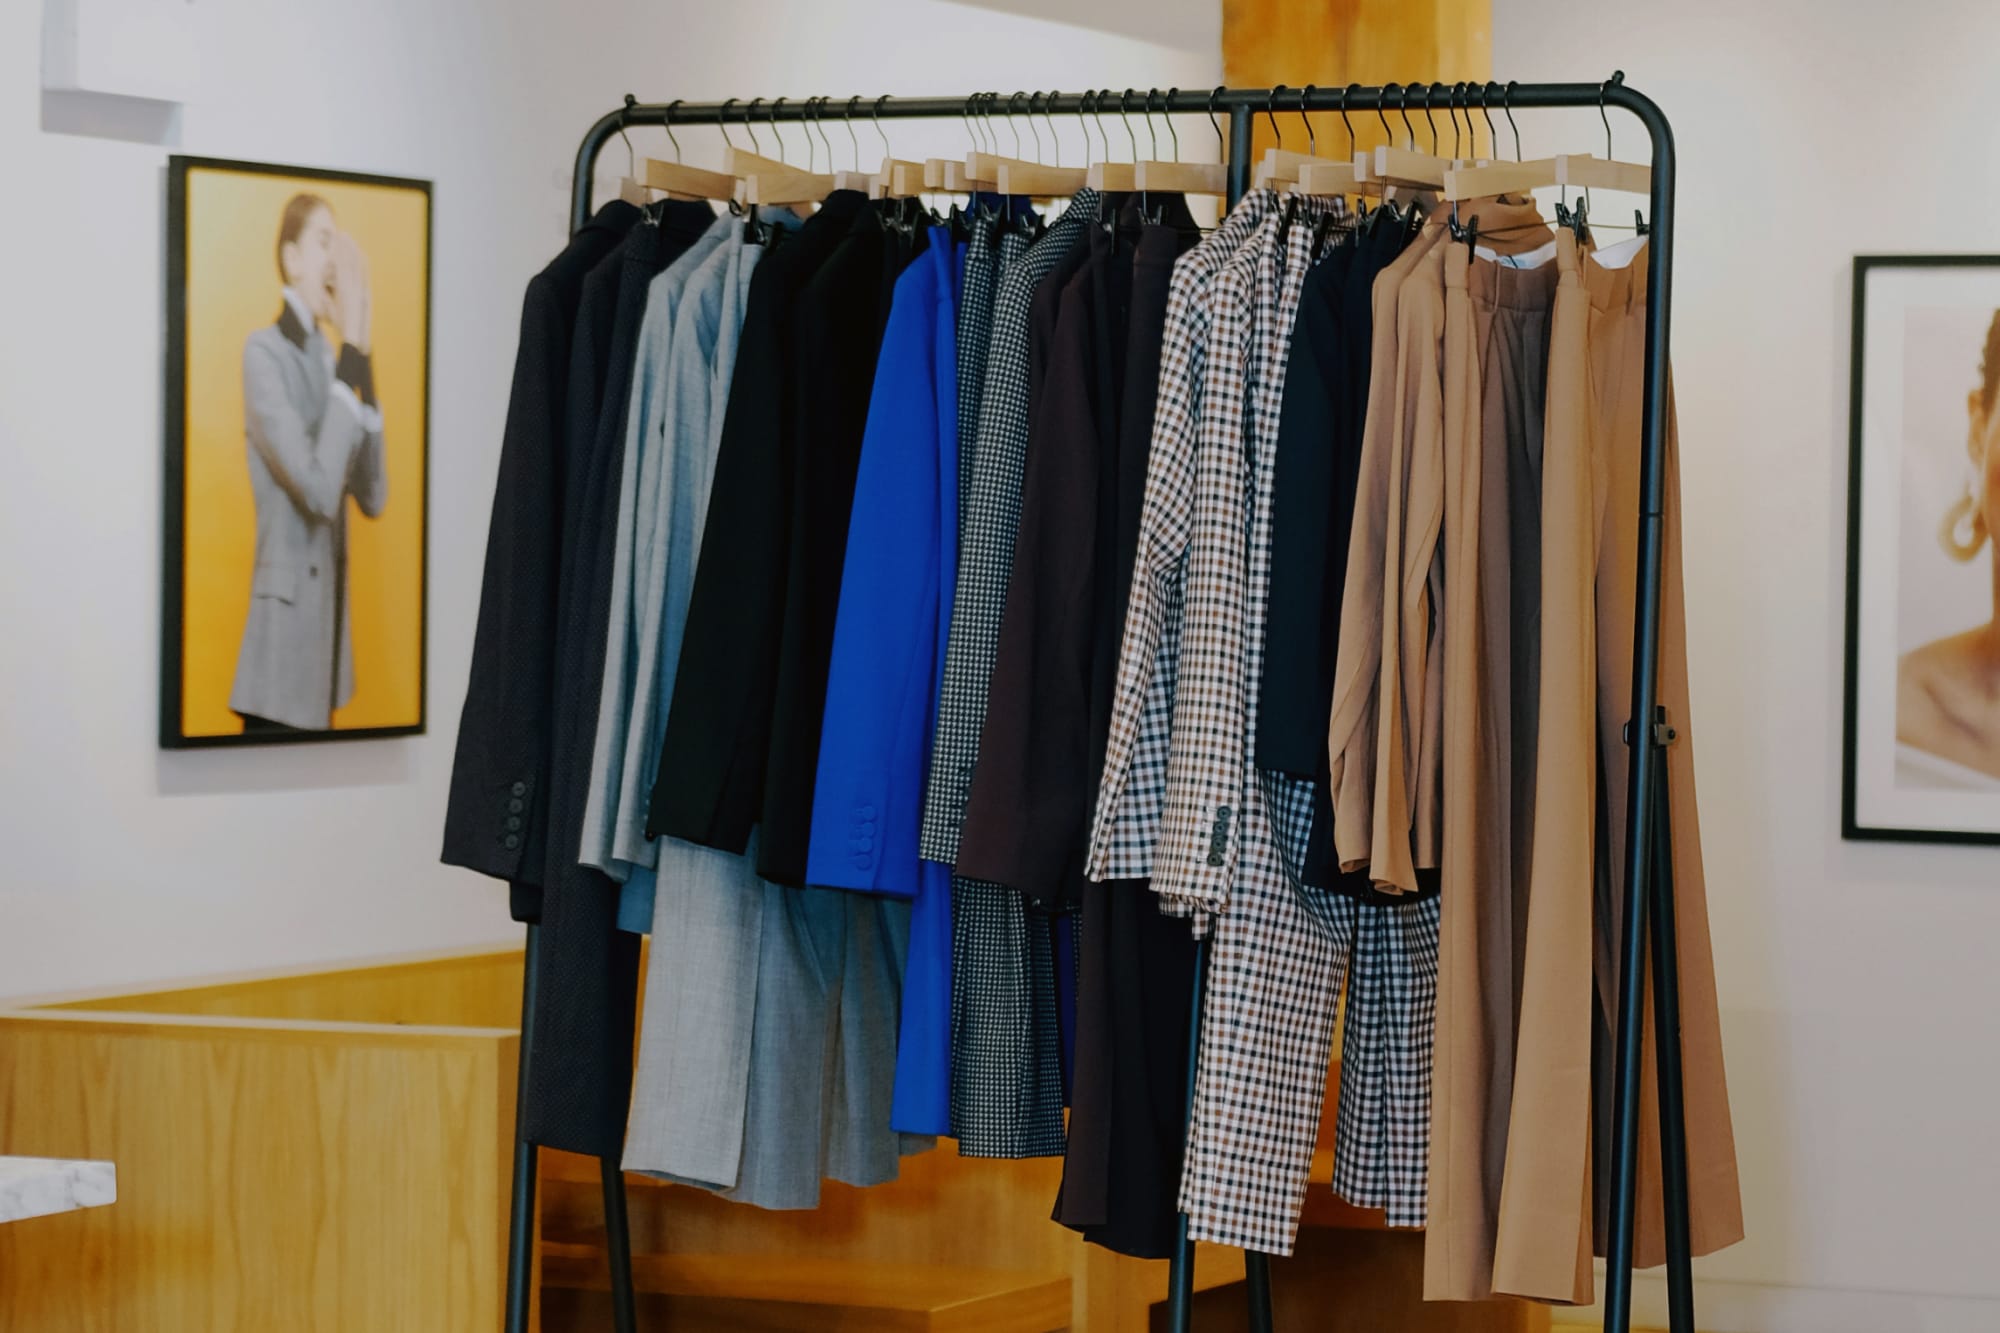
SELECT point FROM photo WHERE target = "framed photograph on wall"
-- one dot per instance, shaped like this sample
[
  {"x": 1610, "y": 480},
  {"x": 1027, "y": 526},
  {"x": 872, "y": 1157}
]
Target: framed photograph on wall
[
  {"x": 297, "y": 454},
  {"x": 1922, "y": 755}
]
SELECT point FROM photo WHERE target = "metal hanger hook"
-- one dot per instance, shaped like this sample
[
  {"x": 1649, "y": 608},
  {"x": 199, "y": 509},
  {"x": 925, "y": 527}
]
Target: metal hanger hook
[
  {"x": 887, "y": 152},
  {"x": 748, "y": 111},
  {"x": 722, "y": 122},
  {"x": 1618, "y": 76},
  {"x": 1409, "y": 130},
  {"x": 1167, "y": 115},
  {"x": 813, "y": 118},
  {"x": 819, "y": 123},
  {"x": 1492, "y": 139},
  {"x": 848, "y": 120},
  {"x": 1344, "y": 94},
  {"x": 1097, "y": 114},
  {"x": 1312, "y": 140},
  {"x": 1221, "y": 144},
  {"x": 1152, "y": 138},
  {"x": 1430, "y": 92},
  {"x": 1381, "y": 113},
  {"x": 1032, "y": 99},
  {"x": 631, "y": 153},
  {"x": 806, "y": 109},
  {"x": 1124, "y": 114},
  {"x": 1271, "y": 112},
  {"x": 667, "y": 124},
  {"x": 1508, "y": 107},
  {"x": 1013, "y": 128}
]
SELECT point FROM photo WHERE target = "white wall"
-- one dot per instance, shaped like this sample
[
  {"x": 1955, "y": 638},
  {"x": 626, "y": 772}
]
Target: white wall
[
  {"x": 1858, "y": 981},
  {"x": 126, "y": 863}
]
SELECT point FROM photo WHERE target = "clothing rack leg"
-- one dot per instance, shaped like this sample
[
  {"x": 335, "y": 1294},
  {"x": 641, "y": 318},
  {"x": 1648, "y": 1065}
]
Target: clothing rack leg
[
  {"x": 1180, "y": 1268},
  {"x": 618, "y": 1245},
  {"x": 1667, "y": 1036},
  {"x": 521, "y": 1222},
  {"x": 1257, "y": 1277}
]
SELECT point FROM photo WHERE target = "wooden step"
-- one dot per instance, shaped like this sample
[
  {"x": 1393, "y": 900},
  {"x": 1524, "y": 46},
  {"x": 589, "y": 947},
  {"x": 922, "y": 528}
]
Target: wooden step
[{"x": 756, "y": 1292}]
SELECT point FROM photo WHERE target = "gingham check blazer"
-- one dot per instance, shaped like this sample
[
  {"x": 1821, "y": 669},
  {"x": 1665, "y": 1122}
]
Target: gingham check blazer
[
  {"x": 1129, "y": 838},
  {"x": 1006, "y": 1076},
  {"x": 1268, "y": 1010},
  {"x": 990, "y": 511}
]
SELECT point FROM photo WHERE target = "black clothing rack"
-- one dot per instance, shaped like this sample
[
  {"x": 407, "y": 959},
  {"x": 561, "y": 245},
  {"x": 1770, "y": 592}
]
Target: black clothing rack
[{"x": 1648, "y": 862}]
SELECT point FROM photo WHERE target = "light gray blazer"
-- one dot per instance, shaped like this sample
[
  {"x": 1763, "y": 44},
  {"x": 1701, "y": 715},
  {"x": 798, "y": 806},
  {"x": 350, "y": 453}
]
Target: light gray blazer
[
  {"x": 766, "y": 1061},
  {"x": 312, "y": 442}
]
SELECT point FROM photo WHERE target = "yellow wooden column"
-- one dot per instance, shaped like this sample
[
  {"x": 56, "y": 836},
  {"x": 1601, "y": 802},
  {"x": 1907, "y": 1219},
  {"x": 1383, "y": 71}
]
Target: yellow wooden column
[{"x": 1332, "y": 43}]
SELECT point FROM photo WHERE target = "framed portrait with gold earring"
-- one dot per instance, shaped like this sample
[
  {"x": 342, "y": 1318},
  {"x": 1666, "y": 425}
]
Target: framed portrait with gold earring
[
  {"x": 1922, "y": 752},
  {"x": 297, "y": 454}
]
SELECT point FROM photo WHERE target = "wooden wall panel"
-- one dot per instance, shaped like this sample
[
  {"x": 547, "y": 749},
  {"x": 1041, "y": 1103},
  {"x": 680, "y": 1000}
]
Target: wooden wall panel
[
  {"x": 459, "y": 987},
  {"x": 311, "y": 1177},
  {"x": 1332, "y": 43}
]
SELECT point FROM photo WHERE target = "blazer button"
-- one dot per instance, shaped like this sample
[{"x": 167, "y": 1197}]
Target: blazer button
[
  {"x": 1215, "y": 858},
  {"x": 514, "y": 806},
  {"x": 511, "y": 841},
  {"x": 312, "y": 571},
  {"x": 519, "y": 789},
  {"x": 513, "y": 823}
]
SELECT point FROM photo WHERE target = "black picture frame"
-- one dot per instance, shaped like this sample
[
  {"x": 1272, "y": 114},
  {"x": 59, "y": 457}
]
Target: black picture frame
[
  {"x": 174, "y": 474},
  {"x": 1851, "y": 826}
]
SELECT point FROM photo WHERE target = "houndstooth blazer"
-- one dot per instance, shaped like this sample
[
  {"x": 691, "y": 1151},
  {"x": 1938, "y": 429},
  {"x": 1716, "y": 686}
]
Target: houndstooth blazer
[
  {"x": 1006, "y": 1081},
  {"x": 990, "y": 510}
]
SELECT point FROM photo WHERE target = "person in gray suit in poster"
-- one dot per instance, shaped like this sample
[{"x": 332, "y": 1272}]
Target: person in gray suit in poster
[{"x": 314, "y": 434}]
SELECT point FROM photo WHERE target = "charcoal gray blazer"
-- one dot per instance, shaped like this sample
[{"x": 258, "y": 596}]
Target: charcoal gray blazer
[{"x": 314, "y": 437}]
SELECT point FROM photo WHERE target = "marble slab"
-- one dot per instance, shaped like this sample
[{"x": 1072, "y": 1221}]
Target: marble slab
[{"x": 38, "y": 1186}]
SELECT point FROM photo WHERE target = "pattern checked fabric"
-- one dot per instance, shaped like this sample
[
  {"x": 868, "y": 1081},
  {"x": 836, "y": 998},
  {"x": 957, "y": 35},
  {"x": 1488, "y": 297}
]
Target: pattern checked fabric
[
  {"x": 1281, "y": 949},
  {"x": 1382, "y": 1136},
  {"x": 990, "y": 511},
  {"x": 1006, "y": 1078},
  {"x": 1132, "y": 793}
]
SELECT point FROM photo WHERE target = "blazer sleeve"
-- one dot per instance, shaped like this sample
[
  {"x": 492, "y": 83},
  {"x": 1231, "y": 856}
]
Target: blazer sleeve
[
  {"x": 869, "y": 791},
  {"x": 308, "y": 458},
  {"x": 711, "y": 775},
  {"x": 1297, "y": 688},
  {"x": 501, "y": 759},
  {"x": 367, "y": 477}
]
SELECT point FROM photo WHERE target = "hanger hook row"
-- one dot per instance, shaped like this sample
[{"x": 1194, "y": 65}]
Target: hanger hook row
[{"x": 1221, "y": 144}]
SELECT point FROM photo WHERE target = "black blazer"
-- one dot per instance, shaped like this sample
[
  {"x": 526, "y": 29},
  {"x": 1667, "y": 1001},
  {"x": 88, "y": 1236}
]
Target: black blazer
[
  {"x": 837, "y": 337},
  {"x": 496, "y": 814},
  {"x": 580, "y": 1066},
  {"x": 710, "y": 785}
]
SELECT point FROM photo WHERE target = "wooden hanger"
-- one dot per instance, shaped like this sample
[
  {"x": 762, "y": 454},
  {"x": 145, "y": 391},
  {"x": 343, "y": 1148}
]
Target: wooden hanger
[
  {"x": 1176, "y": 176},
  {"x": 1013, "y": 175},
  {"x": 1498, "y": 178},
  {"x": 1582, "y": 170},
  {"x": 1392, "y": 166},
  {"x": 1328, "y": 177},
  {"x": 680, "y": 181},
  {"x": 902, "y": 180},
  {"x": 789, "y": 185},
  {"x": 1017, "y": 175},
  {"x": 1605, "y": 173}
]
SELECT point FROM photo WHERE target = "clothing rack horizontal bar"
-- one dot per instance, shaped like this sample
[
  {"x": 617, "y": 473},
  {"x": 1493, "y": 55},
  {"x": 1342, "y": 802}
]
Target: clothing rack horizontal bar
[{"x": 1385, "y": 98}]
